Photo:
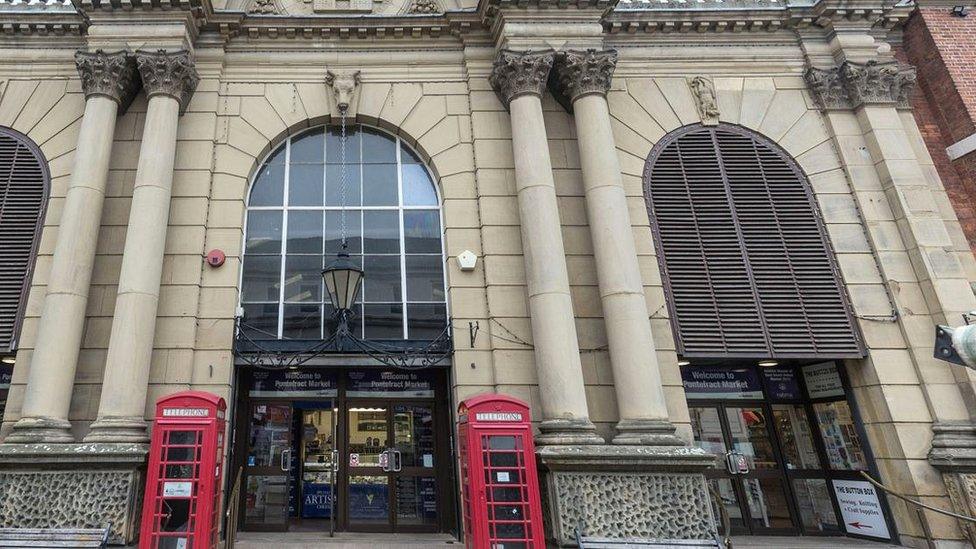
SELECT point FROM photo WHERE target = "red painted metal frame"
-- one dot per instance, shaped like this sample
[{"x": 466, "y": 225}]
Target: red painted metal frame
[
  {"x": 187, "y": 447},
  {"x": 483, "y": 421}
]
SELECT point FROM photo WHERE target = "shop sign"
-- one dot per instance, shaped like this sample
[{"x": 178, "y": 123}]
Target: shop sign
[
  {"x": 185, "y": 412},
  {"x": 738, "y": 383},
  {"x": 781, "y": 383},
  {"x": 379, "y": 383},
  {"x": 498, "y": 416},
  {"x": 293, "y": 383},
  {"x": 860, "y": 508},
  {"x": 823, "y": 380}
]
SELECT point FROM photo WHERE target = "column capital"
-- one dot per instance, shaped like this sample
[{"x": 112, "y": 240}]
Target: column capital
[
  {"x": 168, "y": 73},
  {"x": 112, "y": 75},
  {"x": 518, "y": 73},
  {"x": 584, "y": 72},
  {"x": 851, "y": 84}
]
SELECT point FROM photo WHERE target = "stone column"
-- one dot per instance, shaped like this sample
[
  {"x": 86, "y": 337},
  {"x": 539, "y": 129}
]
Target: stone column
[
  {"x": 169, "y": 80},
  {"x": 583, "y": 78},
  {"x": 109, "y": 81},
  {"x": 519, "y": 78}
]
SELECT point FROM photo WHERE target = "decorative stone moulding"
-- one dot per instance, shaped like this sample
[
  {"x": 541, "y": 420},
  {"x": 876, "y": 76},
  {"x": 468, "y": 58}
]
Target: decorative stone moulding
[
  {"x": 344, "y": 85},
  {"x": 521, "y": 73},
  {"x": 112, "y": 75},
  {"x": 168, "y": 73},
  {"x": 854, "y": 84},
  {"x": 704, "y": 92},
  {"x": 582, "y": 72}
]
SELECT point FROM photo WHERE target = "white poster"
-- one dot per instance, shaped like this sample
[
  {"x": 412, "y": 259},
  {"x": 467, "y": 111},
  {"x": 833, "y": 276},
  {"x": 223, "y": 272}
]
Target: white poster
[
  {"x": 860, "y": 508},
  {"x": 179, "y": 489},
  {"x": 823, "y": 380}
]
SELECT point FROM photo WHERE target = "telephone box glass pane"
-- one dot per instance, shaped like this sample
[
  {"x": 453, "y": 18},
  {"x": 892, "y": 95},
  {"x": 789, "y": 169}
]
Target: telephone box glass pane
[
  {"x": 176, "y": 515},
  {"x": 174, "y": 543}
]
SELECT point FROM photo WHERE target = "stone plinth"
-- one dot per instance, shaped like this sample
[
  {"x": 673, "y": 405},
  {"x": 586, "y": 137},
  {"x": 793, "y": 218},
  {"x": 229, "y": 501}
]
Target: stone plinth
[
  {"x": 625, "y": 492},
  {"x": 73, "y": 485}
]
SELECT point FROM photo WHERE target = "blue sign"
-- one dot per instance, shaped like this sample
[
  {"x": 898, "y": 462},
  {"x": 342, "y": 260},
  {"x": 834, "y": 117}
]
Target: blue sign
[
  {"x": 369, "y": 501},
  {"x": 315, "y": 500},
  {"x": 382, "y": 383},
  {"x": 727, "y": 383},
  {"x": 781, "y": 383},
  {"x": 293, "y": 383}
]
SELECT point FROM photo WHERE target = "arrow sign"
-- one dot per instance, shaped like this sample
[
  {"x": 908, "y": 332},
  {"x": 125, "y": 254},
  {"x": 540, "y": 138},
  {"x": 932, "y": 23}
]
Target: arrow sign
[
  {"x": 860, "y": 508},
  {"x": 859, "y": 525}
]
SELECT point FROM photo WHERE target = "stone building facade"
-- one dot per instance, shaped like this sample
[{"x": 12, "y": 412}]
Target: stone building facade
[{"x": 539, "y": 127}]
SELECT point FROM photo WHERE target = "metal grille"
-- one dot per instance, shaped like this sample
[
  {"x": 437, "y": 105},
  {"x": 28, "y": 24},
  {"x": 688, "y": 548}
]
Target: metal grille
[
  {"x": 23, "y": 193},
  {"x": 747, "y": 266}
]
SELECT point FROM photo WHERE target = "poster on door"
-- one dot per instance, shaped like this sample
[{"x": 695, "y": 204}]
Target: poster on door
[
  {"x": 823, "y": 380},
  {"x": 861, "y": 509}
]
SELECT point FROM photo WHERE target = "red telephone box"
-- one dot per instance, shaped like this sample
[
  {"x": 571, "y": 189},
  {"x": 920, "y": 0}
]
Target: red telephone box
[
  {"x": 499, "y": 480},
  {"x": 183, "y": 482}
]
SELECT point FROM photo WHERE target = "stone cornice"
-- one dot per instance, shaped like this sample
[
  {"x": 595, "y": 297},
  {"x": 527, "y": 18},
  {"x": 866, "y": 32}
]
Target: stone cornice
[
  {"x": 42, "y": 24},
  {"x": 854, "y": 84},
  {"x": 577, "y": 73},
  {"x": 112, "y": 75},
  {"x": 516, "y": 73},
  {"x": 489, "y": 10},
  {"x": 168, "y": 73},
  {"x": 404, "y": 27}
]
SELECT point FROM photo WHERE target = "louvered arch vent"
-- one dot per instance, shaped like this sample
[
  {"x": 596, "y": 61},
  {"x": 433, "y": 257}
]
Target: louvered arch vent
[
  {"x": 23, "y": 196},
  {"x": 747, "y": 266}
]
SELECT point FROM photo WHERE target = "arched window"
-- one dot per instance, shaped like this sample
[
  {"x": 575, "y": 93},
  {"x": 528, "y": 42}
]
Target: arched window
[
  {"x": 747, "y": 266},
  {"x": 294, "y": 227},
  {"x": 23, "y": 197}
]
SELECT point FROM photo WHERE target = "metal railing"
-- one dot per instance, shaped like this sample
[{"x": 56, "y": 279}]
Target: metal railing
[
  {"x": 723, "y": 513},
  {"x": 920, "y": 509},
  {"x": 233, "y": 508}
]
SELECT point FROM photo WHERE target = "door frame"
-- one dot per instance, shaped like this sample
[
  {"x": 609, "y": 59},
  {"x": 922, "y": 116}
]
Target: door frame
[{"x": 264, "y": 527}]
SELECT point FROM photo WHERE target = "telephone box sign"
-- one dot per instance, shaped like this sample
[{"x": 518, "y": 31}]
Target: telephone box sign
[
  {"x": 500, "y": 484},
  {"x": 183, "y": 481}
]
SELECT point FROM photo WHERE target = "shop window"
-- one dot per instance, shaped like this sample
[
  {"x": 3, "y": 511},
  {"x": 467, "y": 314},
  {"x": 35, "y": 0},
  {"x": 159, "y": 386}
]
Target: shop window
[
  {"x": 302, "y": 203},
  {"x": 744, "y": 254}
]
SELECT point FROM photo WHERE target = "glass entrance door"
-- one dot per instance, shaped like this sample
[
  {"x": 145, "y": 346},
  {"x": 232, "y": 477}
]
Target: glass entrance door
[
  {"x": 749, "y": 479},
  {"x": 267, "y": 466},
  {"x": 390, "y": 458}
]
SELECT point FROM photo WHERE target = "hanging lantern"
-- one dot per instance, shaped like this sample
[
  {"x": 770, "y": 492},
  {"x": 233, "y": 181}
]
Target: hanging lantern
[{"x": 343, "y": 279}]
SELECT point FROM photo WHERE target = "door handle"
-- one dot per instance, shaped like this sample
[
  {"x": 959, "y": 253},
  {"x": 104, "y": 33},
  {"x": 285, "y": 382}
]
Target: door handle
[
  {"x": 398, "y": 463},
  {"x": 385, "y": 460},
  {"x": 286, "y": 460}
]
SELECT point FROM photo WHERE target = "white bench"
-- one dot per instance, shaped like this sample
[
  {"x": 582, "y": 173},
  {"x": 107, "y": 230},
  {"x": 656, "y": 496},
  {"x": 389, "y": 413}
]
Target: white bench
[{"x": 54, "y": 538}]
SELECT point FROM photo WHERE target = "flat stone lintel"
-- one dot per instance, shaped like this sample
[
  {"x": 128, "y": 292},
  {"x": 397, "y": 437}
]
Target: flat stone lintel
[
  {"x": 615, "y": 457},
  {"x": 43, "y": 454}
]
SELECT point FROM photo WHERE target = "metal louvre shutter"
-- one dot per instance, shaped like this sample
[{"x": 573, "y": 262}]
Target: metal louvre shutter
[
  {"x": 23, "y": 191},
  {"x": 747, "y": 267}
]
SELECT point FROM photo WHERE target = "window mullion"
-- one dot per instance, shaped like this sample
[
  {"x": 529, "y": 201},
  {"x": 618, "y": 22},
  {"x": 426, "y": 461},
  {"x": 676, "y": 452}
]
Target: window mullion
[
  {"x": 284, "y": 241},
  {"x": 403, "y": 238}
]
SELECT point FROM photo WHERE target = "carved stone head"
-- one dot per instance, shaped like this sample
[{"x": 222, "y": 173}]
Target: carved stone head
[{"x": 344, "y": 84}]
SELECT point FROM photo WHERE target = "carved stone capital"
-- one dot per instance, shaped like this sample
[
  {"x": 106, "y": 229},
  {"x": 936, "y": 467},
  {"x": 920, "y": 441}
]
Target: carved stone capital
[
  {"x": 168, "y": 73},
  {"x": 854, "y": 84},
  {"x": 586, "y": 72},
  {"x": 112, "y": 75},
  {"x": 518, "y": 73}
]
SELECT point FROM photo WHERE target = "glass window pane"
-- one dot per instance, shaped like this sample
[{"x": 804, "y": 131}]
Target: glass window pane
[
  {"x": 380, "y": 185},
  {"x": 353, "y": 141},
  {"x": 726, "y": 493},
  {"x": 750, "y": 437},
  {"x": 263, "y": 232},
  {"x": 382, "y": 281},
  {"x": 302, "y": 321},
  {"x": 261, "y": 320},
  {"x": 333, "y": 194},
  {"x": 333, "y": 232},
  {"x": 304, "y": 232},
  {"x": 840, "y": 436},
  {"x": 378, "y": 147},
  {"x": 262, "y": 278},
  {"x": 383, "y": 320},
  {"x": 816, "y": 510},
  {"x": 268, "y": 185},
  {"x": 381, "y": 232},
  {"x": 355, "y": 325},
  {"x": 797, "y": 438},
  {"x": 309, "y": 148},
  {"x": 305, "y": 185},
  {"x": 422, "y": 231},
  {"x": 407, "y": 156},
  {"x": 426, "y": 320},
  {"x": 768, "y": 505},
  {"x": 418, "y": 189},
  {"x": 425, "y": 278},
  {"x": 416, "y": 500},
  {"x": 707, "y": 430},
  {"x": 303, "y": 278}
]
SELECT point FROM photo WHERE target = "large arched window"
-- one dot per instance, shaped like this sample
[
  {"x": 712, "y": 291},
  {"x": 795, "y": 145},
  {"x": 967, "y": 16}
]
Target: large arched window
[
  {"x": 23, "y": 198},
  {"x": 393, "y": 228},
  {"x": 747, "y": 265}
]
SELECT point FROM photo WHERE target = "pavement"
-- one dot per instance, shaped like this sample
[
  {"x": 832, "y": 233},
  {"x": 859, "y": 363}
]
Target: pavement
[{"x": 348, "y": 540}]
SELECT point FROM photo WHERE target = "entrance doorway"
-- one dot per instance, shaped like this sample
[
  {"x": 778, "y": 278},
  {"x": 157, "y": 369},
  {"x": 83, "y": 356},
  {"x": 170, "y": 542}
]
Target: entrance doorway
[
  {"x": 361, "y": 451},
  {"x": 790, "y": 449}
]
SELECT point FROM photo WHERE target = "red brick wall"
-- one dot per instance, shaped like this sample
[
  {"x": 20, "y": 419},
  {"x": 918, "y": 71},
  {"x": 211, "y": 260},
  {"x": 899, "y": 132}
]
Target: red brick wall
[{"x": 942, "y": 47}]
